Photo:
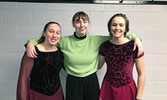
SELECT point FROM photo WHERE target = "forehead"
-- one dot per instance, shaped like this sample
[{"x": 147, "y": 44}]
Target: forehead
[
  {"x": 54, "y": 27},
  {"x": 84, "y": 18},
  {"x": 118, "y": 19}
]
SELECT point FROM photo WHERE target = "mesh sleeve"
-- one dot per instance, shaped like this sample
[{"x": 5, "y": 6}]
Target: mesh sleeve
[{"x": 23, "y": 79}]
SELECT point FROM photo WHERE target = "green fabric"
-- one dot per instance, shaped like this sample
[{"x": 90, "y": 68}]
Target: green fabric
[
  {"x": 131, "y": 36},
  {"x": 32, "y": 41},
  {"x": 81, "y": 55}
]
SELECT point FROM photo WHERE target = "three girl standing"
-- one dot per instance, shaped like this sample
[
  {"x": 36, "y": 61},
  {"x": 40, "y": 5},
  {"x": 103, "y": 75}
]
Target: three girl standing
[{"x": 80, "y": 58}]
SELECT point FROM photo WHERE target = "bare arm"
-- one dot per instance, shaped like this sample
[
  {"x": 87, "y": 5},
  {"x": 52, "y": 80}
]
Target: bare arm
[
  {"x": 23, "y": 80},
  {"x": 141, "y": 77},
  {"x": 101, "y": 61}
]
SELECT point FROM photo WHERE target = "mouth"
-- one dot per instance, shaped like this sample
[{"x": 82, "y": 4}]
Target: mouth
[
  {"x": 81, "y": 29},
  {"x": 117, "y": 31},
  {"x": 53, "y": 40}
]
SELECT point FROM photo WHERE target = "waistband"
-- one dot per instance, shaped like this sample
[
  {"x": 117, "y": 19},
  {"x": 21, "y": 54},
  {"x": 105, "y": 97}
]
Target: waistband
[{"x": 91, "y": 75}]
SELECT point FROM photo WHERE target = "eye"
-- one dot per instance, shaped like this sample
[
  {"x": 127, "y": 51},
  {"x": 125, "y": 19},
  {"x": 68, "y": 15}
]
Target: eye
[
  {"x": 77, "y": 21},
  {"x": 51, "y": 31},
  {"x": 114, "y": 24},
  {"x": 121, "y": 25},
  {"x": 85, "y": 21},
  {"x": 58, "y": 32}
]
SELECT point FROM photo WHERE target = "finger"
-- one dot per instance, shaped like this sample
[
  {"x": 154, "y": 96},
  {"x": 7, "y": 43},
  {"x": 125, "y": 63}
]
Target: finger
[
  {"x": 134, "y": 47},
  {"x": 138, "y": 54},
  {"x": 141, "y": 50},
  {"x": 35, "y": 53}
]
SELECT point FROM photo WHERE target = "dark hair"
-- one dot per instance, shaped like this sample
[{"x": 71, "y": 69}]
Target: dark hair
[
  {"x": 42, "y": 38},
  {"x": 119, "y": 15},
  {"x": 80, "y": 15}
]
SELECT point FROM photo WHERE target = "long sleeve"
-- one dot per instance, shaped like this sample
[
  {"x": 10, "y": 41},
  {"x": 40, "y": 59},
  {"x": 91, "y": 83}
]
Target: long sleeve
[
  {"x": 23, "y": 79},
  {"x": 32, "y": 41},
  {"x": 131, "y": 36}
]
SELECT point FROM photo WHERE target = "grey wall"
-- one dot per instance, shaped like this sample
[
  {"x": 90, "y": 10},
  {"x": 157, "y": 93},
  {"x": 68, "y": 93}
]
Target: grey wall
[{"x": 22, "y": 21}]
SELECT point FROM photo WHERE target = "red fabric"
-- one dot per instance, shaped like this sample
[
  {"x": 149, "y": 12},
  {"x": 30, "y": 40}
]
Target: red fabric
[
  {"x": 23, "y": 87},
  {"x": 23, "y": 80},
  {"x": 108, "y": 92},
  {"x": 118, "y": 82},
  {"x": 38, "y": 96}
]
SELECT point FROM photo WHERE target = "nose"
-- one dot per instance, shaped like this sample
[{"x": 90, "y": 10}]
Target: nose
[
  {"x": 117, "y": 27},
  {"x": 54, "y": 35},
  {"x": 81, "y": 24}
]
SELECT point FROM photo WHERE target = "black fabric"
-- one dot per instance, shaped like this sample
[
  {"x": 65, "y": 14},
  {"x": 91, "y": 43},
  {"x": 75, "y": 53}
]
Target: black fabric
[
  {"x": 83, "y": 37},
  {"x": 82, "y": 88},
  {"x": 44, "y": 77}
]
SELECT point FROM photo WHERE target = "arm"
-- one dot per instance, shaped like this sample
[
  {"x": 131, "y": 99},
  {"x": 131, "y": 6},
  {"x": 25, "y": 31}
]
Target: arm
[
  {"x": 141, "y": 76},
  {"x": 31, "y": 52},
  {"x": 23, "y": 80},
  {"x": 138, "y": 43},
  {"x": 101, "y": 61}
]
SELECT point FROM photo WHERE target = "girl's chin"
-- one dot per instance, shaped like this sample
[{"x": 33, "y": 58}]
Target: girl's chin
[
  {"x": 82, "y": 34},
  {"x": 53, "y": 44}
]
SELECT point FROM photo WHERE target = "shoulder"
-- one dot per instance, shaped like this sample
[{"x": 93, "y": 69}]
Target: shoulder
[
  {"x": 130, "y": 43},
  {"x": 105, "y": 44},
  {"x": 67, "y": 37},
  {"x": 59, "y": 51},
  {"x": 99, "y": 38}
]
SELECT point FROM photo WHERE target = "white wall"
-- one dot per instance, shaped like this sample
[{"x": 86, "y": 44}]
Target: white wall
[{"x": 22, "y": 21}]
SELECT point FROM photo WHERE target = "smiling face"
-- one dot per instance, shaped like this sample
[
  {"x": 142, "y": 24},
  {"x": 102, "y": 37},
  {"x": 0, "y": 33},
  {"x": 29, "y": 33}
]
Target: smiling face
[
  {"x": 118, "y": 27},
  {"x": 118, "y": 23},
  {"x": 52, "y": 34},
  {"x": 81, "y": 23},
  {"x": 81, "y": 26}
]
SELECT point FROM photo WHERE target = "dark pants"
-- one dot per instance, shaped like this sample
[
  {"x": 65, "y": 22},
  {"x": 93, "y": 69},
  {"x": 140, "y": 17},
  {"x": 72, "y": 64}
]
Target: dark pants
[{"x": 82, "y": 88}]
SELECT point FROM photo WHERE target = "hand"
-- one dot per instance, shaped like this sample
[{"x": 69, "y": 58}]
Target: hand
[
  {"x": 138, "y": 43},
  {"x": 31, "y": 52}
]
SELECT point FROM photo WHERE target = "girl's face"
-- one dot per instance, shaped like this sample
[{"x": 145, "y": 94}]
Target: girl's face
[
  {"x": 81, "y": 26},
  {"x": 52, "y": 34},
  {"x": 118, "y": 27}
]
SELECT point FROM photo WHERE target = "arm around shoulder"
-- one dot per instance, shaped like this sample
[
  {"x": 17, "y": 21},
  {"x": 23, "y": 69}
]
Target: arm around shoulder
[
  {"x": 101, "y": 61},
  {"x": 131, "y": 36},
  {"x": 32, "y": 41},
  {"x": 31, "y": 52}
]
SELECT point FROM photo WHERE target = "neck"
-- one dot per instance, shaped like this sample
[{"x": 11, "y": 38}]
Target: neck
[
  {"x": 46, "y": 47},
  {"x": 79, "y": 36},
  {"x": 120, "y": 40}
]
